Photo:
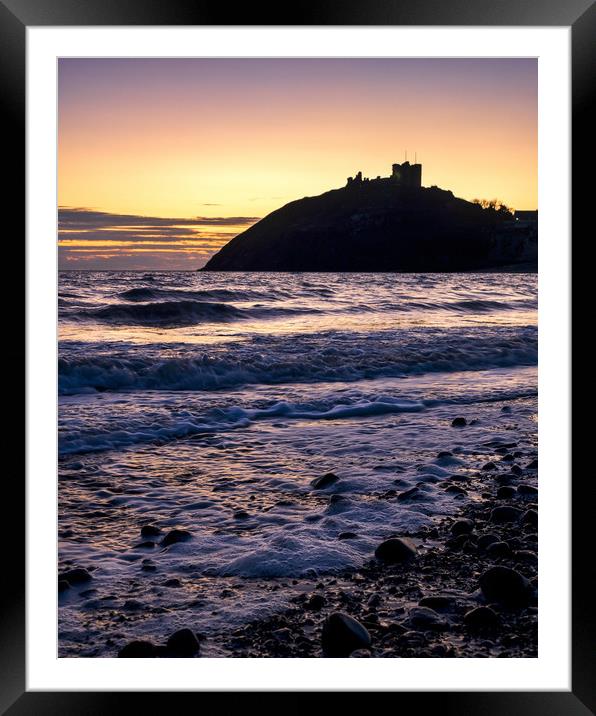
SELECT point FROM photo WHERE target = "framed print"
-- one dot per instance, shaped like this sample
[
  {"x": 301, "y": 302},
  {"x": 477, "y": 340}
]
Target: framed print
[{"x": 298, "y": 353}]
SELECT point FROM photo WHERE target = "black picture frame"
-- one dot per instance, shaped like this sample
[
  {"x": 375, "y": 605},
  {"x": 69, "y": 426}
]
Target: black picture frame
[{"x": 15, "y": 17}]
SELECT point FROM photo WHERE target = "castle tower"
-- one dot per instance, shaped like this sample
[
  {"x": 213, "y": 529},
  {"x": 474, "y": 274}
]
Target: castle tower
[
  {"x": 416, "y": 175},
  {"x": 407, "y": 174}
]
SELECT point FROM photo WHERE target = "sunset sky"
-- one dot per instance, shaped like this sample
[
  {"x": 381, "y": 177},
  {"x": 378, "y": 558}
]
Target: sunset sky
[{"x": 162, "y": 161}]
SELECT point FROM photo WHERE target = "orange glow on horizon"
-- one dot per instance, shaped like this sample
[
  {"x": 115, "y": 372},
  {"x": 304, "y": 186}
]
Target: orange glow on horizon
[{"x": 242, "y": 137}]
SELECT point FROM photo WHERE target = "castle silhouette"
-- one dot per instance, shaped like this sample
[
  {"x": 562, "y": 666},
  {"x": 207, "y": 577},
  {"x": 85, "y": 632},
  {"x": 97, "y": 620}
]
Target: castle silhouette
[{"x": 405, "y": 174}]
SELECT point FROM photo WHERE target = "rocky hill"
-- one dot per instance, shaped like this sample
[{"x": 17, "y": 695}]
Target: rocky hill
[{"x": 378, "y": 226}]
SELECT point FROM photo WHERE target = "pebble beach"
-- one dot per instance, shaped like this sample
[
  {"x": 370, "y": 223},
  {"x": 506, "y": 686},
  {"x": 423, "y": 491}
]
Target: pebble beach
[{"x": 298, "y": 465}]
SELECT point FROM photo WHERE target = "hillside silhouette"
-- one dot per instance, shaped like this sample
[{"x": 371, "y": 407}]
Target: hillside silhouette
[{"x": 379, "y": 225}]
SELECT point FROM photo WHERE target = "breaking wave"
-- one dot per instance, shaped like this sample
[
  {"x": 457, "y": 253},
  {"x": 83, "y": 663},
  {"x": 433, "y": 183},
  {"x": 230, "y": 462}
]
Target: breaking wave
[
  {"x": 306, "y": 359},
  {"x": 180, "y": 313}
]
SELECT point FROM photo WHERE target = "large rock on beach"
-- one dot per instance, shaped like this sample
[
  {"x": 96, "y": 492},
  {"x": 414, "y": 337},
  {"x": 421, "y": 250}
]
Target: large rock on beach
[
  {"x": 395, "y": 550},
  {"x": 342, "y": 635},
  {"x": 505, "y": 586}
]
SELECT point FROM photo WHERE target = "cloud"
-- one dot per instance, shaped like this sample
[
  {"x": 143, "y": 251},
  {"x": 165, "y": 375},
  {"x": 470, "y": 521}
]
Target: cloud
[
  {"x": 88, "y": 238},
  {"x": 83, "y": 218}
]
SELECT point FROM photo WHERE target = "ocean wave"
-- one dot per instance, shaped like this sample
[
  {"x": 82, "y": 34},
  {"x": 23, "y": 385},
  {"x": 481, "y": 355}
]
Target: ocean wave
[
  {"x": 170, "y": 314},
  {"x": 141, "y": 294},
  {"x": 304, "y": 359},
  {"x": 142, "y": 429},
  {"x": 228, "y": 418},
  {"x": 166, "y": 313}
]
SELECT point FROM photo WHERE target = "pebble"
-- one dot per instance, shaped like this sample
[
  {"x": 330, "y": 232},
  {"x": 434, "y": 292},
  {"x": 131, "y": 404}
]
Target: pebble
[
  {"x": 373, "y": 601},
  {"x": 407, "y": 494},
  {"x": 527, "y": 490},
  {"x": 183, "y": 643},
  {"x": 320, "y": 483},
  {"x": 426, "y": 618},
  {"x": 481, "y": 618},
  {"x": 530, "y": 517},
  {"x": 412, "y": 639},
  {"x": 395, "y": 550},
  {"x": 505, "y": 586},
  {"x": 173, "y": 582},
  {"x": 347, "y": 535},
  {"x": 498, "y": 549},
  {"x": 489, "y": 466},
  {"x": 505, "y": 492},
  {"x": 462, "y": 527},
  {"x": 485, "y": 540},
  {"x": 504, "y": 513},
  {"x": 150, "y": 531},
  {"x": 437, "y": 602},
  {"x": 459, "y": 422},
  {"x": 138, "y": 650},
  {"x": 526, "y": 555},
  {"x": 76, "y": 576},
  {"x": 148, "y": 565},
  {"x": 316, "y": 602},
  {"x": 457, "y": 542},
  {"x": 342, "y": 635},
  {"x": 175, "y": 536},
  {"x": 456, "y": 490},
  {"x": 533, "y": 465}
]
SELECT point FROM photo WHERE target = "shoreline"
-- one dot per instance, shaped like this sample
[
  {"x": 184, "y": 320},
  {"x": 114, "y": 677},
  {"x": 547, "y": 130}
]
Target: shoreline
[
  {"x": 444, "y": 578},
  {"x": 427, "y": 606}
]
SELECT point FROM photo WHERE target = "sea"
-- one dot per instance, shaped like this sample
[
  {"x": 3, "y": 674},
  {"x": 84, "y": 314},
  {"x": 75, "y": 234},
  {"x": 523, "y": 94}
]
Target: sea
[{"x": 209, "y": 402}]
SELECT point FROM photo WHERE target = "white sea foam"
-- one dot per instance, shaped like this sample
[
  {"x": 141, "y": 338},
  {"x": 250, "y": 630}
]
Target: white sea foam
[
  {"x": 209, "y": 403},
  {"x": 331, "y": 356}
]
